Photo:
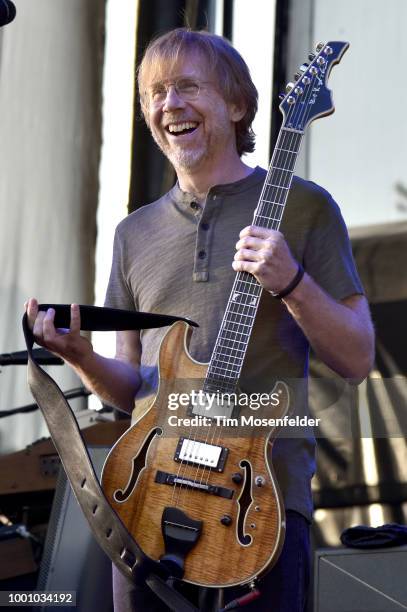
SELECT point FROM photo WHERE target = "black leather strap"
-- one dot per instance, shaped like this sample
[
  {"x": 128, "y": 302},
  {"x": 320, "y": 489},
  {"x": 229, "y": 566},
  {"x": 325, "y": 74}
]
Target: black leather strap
[
  {"x": 107, "y": 528},
  {"x": 291, "y": 286}
]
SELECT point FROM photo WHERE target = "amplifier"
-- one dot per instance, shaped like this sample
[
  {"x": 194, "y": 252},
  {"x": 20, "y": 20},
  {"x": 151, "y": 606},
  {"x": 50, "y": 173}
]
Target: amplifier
[{"x": 354, "y": 580}]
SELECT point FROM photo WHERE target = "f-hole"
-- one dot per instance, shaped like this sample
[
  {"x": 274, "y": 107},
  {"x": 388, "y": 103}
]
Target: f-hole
[
  {"x": 139, "y": 462},
  {"x": 245, "y": 500}
]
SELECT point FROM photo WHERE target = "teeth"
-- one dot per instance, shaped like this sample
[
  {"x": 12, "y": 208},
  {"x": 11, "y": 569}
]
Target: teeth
[{"x": 180, "y": 127}]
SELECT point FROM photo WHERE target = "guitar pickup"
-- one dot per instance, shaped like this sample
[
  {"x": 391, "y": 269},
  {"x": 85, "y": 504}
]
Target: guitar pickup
[{"x": 199, "y": 453}]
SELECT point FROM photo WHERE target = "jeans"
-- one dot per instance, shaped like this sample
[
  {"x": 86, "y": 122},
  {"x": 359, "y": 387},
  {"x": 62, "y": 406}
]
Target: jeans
[{"x": 283, "y": 589}]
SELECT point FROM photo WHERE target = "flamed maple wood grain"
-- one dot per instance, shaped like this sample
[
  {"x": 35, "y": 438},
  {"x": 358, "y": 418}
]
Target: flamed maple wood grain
[{"x": 218, "y": 559}]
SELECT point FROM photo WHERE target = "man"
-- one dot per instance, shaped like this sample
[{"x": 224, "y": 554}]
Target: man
[{"x": 175, "y": 256}]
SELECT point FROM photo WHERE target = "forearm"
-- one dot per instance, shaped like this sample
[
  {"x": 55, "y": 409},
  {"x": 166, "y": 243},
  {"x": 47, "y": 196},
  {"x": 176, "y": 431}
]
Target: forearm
[
  {"x": 340, "y": 336},
  {"x": 115, "y": 382}
]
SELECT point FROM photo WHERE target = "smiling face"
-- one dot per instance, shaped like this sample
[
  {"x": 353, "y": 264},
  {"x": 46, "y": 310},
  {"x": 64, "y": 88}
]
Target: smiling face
[{"x": 190, "y": 132}]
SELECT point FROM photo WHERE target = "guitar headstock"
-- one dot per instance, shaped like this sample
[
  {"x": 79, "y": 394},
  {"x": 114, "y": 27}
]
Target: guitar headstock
[{"x": 309, "y": 98}]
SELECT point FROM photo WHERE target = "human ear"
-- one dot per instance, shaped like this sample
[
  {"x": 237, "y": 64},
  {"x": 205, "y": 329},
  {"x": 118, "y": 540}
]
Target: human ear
[{"x": 237, "y": 111}]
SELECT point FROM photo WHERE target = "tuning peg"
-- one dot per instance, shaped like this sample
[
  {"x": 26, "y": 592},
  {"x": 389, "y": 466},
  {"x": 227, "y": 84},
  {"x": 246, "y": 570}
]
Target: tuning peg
[
  {"x": 289, "y": 87},
  {"x": 321, "y": 60},
  {"x": 297, "y": 76},
  {"x": 328, "y": 50},
  {"x": 319, "y": 47},
  {"x": 281, "y": 96},
  {"x": 311, "y": 56},
  {"x": 303, "y": 67}
]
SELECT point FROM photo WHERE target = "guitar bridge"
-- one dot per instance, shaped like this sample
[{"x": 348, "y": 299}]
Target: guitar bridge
[{"x": 176, "y": 481}]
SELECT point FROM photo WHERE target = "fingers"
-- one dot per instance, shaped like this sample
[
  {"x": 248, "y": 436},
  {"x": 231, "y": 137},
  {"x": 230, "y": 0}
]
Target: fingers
[
  {"x": 42, "y": 324},
  {"x": 258, "y": 232},
  {"x": 75, "y": 319},
  {"x": 31, "y": 308},
  {"x": 248, "y": 255}
]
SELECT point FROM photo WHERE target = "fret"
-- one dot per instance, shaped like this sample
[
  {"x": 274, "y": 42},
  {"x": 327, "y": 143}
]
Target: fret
[
  {"x": 233, "y": 331},
  {"x": 286, "y": 129},
  {"x": 233, "y": 365},
  {"x": 212, "y": 367},
  {"x": 232, "y": 340},
  {"x": 278, "y": 168},
  {"x": 251, "y": 283},
  {"x": 228, "y": 348},
  {"x": 236, "y": 323},
  {"x": 269, "y": 218},
  {"x": 241, "y": 314},
  {"x": 286, "y": 150},
  {"x": 271, "y": 202},
  {"x": 278, "y": 186},
  {"x": 242, "y": 305},
  {"x": 242, "y": 293},
  {"x": 228, "y": 355}
]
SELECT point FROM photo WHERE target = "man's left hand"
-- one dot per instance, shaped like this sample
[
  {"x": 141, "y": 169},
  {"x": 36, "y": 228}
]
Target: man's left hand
[{"x": 265, "y": 254}]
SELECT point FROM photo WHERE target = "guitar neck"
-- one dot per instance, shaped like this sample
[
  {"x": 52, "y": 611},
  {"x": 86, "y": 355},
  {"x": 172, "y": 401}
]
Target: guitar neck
[{"x": 231, "y": 345}]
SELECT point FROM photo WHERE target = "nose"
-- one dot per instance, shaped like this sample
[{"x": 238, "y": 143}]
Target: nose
[{"x": 172, "y": 100}]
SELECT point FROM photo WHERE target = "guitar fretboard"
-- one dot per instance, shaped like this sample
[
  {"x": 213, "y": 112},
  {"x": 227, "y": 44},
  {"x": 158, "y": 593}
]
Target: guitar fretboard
[{"x": 231, "y": 345}]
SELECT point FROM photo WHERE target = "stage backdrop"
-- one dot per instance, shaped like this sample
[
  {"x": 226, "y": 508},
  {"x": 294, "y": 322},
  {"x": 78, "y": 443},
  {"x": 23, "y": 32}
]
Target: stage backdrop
[{"x": 51, "y": 60}]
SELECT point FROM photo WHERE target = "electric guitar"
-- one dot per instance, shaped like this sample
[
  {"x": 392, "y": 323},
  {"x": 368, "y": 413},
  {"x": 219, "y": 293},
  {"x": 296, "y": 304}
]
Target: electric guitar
[{"x": 199, "y": 499}]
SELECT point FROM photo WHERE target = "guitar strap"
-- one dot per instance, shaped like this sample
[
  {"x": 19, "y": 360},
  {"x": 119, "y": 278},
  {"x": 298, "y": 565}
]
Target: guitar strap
[{"x": 107, "y": 527}]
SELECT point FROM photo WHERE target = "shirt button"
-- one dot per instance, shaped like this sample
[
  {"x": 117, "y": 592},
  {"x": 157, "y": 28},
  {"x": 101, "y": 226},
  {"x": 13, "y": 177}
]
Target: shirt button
[
  {"x": 205, "y": 226},
  {"x": 195, "y": 206},
  {"x": 202, "y": 254}
]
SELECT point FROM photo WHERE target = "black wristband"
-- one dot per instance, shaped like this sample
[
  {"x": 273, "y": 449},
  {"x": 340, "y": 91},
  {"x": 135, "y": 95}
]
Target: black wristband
[{"x": 291, "y": 286}]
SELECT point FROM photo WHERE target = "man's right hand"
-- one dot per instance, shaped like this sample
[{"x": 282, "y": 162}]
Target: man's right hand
[{"x": 66, "y": 343}]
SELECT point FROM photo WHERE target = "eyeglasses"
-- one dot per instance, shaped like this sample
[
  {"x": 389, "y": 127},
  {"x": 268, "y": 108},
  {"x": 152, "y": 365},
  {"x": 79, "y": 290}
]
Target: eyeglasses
[{"x": 186, "y": 89}]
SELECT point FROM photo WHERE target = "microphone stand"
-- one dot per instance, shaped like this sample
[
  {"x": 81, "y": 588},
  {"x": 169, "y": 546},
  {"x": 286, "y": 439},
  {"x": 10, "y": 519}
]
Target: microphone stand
[{"x": 71, "y": 394}]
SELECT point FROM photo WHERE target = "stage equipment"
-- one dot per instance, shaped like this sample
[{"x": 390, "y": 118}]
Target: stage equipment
[
  {"x": 72, "y": 560},
  {"x": 352, "y": 580}
]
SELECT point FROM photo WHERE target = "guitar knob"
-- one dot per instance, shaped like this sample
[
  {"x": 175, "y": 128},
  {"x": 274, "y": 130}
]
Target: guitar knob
[
  {"x": 259, "y": 481},
  {"x": 237, "y": 478},
  {"x": 226, "y": 520}
]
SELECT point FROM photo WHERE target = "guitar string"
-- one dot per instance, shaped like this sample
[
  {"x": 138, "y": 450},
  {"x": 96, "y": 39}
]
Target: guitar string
[
  {"x": 237, "y": 320},
  {"x": 271, "y": 185},
  {"x": 274, "y": 184},
  {"x": 268, "y": 189},
  {"x": 285, "y": 143}
]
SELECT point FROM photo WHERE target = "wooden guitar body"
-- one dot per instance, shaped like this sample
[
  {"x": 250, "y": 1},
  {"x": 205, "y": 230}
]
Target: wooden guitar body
[{"x": 242, "y": 528}]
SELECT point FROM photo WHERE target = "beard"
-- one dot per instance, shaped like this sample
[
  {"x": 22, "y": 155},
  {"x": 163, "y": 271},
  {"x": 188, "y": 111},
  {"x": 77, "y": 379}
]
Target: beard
[
  {"x": 182, "y": 157},
  {"x": 190, "y": 156}
]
